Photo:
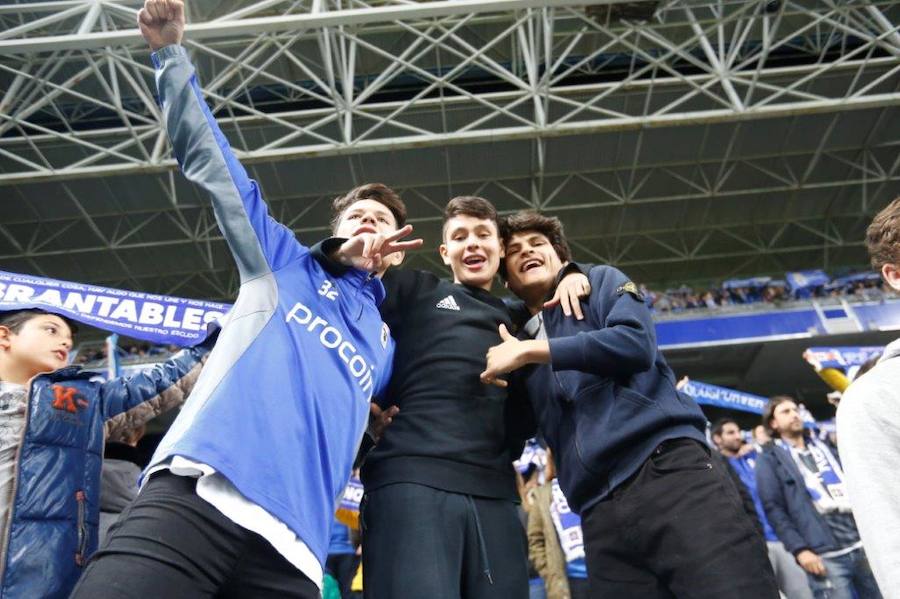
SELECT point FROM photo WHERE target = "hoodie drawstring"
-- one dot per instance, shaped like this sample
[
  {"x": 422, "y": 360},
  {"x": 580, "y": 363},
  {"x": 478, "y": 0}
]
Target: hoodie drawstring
[{"x": 482, "y": 547}]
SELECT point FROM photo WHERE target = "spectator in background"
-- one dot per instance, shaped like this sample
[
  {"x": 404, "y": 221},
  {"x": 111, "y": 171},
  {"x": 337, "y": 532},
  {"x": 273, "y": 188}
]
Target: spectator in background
[
  {"x": 868, "y": 424},
  {"x": 801, "y": 485},
  {"x": 531, "y": 471},
  {"x": 760, "y": 437},
  {"x": 343, "y": 557},
  {"x": 555, "y": 541},
  {"x": 122, "y": 466},
  {"x": 51, "y": 438},
  {"x": 741, "y": 458},
  {"x": 774, "y": 292}
]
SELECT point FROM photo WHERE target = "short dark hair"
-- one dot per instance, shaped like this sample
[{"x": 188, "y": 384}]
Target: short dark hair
[
  {"x": 14, "y": 320},
  {"x": 883, "y": 236},
  {"x": 769, "y": 412},
  {"x": 529, "y": 220},
  {"x": 719, "y": 426},
  {"x": 866, "y": 366},
  {"x": 378, "y": 192},
  {"x": 469, "y": 206}
]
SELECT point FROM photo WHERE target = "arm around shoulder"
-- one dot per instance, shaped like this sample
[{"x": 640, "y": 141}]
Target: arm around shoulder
[{"x": 623, "y": 339}]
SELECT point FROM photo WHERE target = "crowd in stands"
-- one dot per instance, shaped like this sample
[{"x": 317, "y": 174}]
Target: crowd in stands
[
  {"x": 765, "y": 290},
  {"x": 92, "y": 354},
  {"x": 758, "y": 290}
]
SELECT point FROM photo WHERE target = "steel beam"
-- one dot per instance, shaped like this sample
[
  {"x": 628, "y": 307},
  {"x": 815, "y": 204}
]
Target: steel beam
[
  {"x": 708, "y": 117},
  {"x": 295, "y": 22}
]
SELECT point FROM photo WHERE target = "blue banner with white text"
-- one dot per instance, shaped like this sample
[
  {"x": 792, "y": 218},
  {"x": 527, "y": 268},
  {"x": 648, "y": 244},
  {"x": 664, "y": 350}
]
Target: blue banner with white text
[
  {"x": 723, "y": 397},
  {"x": 154, "y": 318}
]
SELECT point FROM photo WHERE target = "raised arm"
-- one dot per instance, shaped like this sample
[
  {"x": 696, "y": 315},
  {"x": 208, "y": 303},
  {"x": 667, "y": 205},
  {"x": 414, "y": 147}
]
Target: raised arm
[
  {"x": 258, "y": 242},
  {"x": 118, "y": 428},
  {"x": 155, "y": 389},
  {"x": 624, "y": 345}
]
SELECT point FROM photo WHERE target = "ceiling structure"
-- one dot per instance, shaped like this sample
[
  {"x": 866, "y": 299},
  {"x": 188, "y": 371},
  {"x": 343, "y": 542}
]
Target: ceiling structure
[{"x": 719, "y": 138}]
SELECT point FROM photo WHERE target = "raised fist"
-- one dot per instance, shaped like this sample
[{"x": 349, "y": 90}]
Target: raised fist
[{"x": 162, "y": 22}]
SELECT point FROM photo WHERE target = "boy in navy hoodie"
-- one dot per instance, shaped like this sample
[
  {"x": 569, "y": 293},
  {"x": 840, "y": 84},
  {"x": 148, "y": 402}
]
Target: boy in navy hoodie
[{"x": 658, "y": 519}]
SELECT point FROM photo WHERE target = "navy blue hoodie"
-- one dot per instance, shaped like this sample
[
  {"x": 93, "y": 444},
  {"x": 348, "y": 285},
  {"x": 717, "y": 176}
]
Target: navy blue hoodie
[{"x": 608, "y": 398}]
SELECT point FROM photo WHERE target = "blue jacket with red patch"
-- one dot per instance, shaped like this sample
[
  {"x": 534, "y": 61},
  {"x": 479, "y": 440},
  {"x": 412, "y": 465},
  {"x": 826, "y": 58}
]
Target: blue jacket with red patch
[{"x": 55, "y": 504}]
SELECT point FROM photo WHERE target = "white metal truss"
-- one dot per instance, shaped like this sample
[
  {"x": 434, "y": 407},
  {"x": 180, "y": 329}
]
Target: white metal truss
[
  {"x": 321, "y": 77},
  {"x": 712, "y": 232},
  {"x": 344, "y": 80}
]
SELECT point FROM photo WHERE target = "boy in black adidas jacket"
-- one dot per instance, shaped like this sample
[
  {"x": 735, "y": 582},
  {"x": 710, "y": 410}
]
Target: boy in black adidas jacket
[{"x": 658, "y": 519}]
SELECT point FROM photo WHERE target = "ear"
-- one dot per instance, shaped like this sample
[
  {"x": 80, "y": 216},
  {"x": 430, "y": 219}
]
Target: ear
[
  {"x": 442, "y": 249},
  {"x": 5, "y": 335},
  {"x": 891, "y": 275}
]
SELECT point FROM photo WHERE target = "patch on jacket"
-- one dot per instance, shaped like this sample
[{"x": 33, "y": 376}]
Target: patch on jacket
[
  {"x": 631, "y": 288},
  {"x": 385, "y": 334}
]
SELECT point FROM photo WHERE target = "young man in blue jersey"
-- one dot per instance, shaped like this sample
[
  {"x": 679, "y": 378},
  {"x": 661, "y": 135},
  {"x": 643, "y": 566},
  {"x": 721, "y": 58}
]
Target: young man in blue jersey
[
  {"x": 239, "y": 497},
  {"x": 658, "y": 519}
]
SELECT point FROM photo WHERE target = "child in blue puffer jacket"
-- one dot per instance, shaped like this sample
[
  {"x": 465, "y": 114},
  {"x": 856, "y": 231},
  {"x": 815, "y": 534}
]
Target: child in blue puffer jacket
[{"x": 52, "y": 420}]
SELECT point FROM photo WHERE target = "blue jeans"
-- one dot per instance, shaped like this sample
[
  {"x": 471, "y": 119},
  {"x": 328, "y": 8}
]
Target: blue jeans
[
  {"x": 536, "y": 589},
  {"x": 843, "y": 575}
]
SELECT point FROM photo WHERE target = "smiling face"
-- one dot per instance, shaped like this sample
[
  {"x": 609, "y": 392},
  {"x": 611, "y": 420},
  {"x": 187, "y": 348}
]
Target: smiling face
[
  {"x": 472, "y": 250},
  {"x": 41, "y": 344},
  {"x": 531, "y": 265}
]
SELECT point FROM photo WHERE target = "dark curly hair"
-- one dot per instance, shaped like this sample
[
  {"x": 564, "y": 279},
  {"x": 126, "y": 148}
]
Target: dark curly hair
[{"x": 883, "y": 236}]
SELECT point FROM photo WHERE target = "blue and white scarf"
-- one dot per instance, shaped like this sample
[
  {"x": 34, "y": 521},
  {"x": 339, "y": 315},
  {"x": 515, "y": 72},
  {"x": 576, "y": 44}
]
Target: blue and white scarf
[
  {"x": 826, "y": 485},
  {"x": 567, "y": 523},
  {"x": 153, "y": 318}
]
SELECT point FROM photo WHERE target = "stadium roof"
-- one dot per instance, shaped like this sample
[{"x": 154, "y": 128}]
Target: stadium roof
[{"x": 716, "y": 139}]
